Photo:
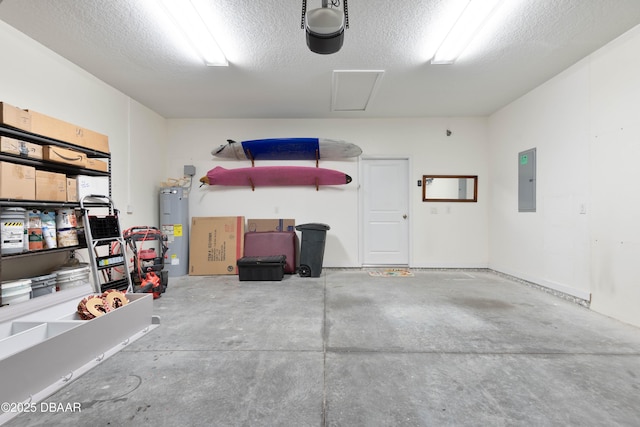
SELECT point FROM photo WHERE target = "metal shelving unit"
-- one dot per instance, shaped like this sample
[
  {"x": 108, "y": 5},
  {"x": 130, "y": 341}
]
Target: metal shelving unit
[{"x": 50, "y": 167}]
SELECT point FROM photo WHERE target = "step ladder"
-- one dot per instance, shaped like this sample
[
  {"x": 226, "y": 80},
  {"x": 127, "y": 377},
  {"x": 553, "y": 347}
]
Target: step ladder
[{"x": 106, "y": 246}]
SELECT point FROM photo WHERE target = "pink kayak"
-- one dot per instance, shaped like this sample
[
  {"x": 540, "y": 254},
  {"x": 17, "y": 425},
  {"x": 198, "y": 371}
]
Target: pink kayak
[{"x": 261, "y": 176}]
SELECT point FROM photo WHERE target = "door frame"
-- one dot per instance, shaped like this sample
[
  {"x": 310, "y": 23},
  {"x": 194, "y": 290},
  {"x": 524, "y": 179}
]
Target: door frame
[{"x": 361, "y": 219}]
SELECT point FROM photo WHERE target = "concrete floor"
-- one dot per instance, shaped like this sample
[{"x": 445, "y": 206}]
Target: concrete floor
[{"x": 442, "y": 348}]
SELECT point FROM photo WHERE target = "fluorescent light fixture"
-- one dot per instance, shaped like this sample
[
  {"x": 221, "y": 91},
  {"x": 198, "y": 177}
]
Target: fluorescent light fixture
[
  {"x": 472, "y": 18},
  {"x": 192, "y": 24}
]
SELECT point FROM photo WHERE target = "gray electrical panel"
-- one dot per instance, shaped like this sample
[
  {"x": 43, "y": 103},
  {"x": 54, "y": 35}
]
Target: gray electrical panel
[
  {"x": 527, "y": 181},
  {"x": 174, "y": 223}
]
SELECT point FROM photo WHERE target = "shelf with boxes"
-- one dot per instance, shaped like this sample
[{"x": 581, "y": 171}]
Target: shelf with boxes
[
  {"x": 46, "y": 167},
  {"x": 47, "y": 177},
  {"x": 41, "y": 129},
  {"x": 34, "y": 146},
  {"x": 27, "y": 159}
]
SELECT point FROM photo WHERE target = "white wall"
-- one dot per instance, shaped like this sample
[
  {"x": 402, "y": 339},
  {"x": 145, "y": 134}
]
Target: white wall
[
  {"x": 33, "y": 77},
  {"x": 584, "y": 237},
  {"x": 615, "y": 202},
  {"x": 455, "y": 234},
  {"x": 146, "y": 165}
]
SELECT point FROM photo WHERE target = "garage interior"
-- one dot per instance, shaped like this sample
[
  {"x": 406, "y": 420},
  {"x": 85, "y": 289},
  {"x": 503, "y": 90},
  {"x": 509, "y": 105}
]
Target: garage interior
[{"x": 510, "y": 314}]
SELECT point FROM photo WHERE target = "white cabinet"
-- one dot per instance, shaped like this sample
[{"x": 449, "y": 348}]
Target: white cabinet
[{"x": 43, "y": 350}]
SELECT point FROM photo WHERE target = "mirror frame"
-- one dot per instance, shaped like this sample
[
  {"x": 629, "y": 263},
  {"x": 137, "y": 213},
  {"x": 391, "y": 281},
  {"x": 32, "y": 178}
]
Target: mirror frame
[{"x": 427, "y": 199}]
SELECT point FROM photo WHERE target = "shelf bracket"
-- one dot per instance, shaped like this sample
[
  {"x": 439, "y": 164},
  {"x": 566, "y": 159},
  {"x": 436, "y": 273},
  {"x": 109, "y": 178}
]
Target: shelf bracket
[{"x": 251, "y": 157}]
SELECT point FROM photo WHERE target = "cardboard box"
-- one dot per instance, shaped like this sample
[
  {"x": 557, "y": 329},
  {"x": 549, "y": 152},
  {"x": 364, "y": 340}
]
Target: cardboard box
[
  {"x": 20, "y": 148},
  {"x": 15, "y": 117},
  {"x": 72, "y": 190},
  {"x": 88, "y": 185},
  {"x": 68, "y": 132},
  {"x": 17, "y": 181},
  {"x": 216, "y": 244},
  {"x": 53, "y": 153},
  {"x": 97, "y": 165},
  {"x": 51, "y": 186},
  {"x": 271, "y": 224}
]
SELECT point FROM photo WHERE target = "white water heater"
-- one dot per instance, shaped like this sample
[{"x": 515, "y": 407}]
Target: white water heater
[{"x": 174, "y": 223}]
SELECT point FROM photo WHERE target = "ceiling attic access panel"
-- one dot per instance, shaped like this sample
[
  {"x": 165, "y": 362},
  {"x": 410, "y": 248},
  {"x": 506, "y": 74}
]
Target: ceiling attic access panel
[{"x": 354, "y": 90}]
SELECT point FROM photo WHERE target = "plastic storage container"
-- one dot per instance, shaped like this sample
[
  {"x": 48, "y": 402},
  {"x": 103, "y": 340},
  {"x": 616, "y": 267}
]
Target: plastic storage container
[
  {"x": 261, "y": 268},
  {"x": 15, "y": 291},
  {"x": 312, "y": 248},
  {"x": 70, "y": 277},
  {"x": 12, "y": 226},
  {"x": 43, "y": 285}
]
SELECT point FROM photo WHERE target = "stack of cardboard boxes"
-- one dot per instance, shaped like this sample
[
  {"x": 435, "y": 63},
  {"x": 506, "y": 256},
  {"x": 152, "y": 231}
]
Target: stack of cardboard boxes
[
  {"x": 23, "y": 182},
  {"x": 218, "y": 242},
  {"x": 41, "y": 124}
]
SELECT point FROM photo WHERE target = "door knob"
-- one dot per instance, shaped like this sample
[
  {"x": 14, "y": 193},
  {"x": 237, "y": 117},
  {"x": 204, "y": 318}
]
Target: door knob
[{"x": 404, "y": 216}]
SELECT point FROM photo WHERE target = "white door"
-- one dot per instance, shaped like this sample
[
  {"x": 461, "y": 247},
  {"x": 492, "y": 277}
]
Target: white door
[{"x": 385, "y": 210}]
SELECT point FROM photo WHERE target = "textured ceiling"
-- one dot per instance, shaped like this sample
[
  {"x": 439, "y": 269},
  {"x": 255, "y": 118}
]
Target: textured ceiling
[{"x": 272, "y": 74}]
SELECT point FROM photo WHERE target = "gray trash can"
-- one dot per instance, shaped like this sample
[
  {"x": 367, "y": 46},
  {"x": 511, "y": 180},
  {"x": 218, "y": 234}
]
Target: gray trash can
[{"x": 312, "y": 248}]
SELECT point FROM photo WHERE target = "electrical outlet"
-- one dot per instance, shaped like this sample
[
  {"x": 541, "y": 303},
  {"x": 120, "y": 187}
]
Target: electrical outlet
[{"x": 189, "y": 170}]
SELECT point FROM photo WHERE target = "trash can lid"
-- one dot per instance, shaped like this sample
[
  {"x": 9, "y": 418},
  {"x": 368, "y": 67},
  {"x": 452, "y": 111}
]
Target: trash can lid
[{"x": 313, "y": 226}]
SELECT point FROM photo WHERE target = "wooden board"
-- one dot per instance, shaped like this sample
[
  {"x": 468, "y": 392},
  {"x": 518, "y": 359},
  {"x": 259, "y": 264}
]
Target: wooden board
[
  {"x": 275, "y": 176},
  {"x": 287, "y": 149}
]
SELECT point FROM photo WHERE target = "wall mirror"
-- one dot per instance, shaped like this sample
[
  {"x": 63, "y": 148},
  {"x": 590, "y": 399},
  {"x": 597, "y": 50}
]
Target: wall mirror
[{"x": 449, "y": 188}]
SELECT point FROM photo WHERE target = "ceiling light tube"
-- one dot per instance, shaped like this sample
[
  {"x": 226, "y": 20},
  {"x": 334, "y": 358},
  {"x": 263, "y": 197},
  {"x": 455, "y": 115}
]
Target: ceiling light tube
[
  {"x": 192, "y": 24},
  {"x": 468, "y": 24}
]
